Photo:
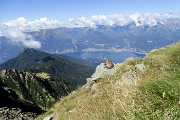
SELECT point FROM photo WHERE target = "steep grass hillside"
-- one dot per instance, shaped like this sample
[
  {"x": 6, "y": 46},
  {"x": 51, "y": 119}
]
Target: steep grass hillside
[{"x": 136, "y": 89}]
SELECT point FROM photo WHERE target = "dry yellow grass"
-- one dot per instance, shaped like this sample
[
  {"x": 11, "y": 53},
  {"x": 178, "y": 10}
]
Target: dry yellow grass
[{"x": 156, "y": 95}]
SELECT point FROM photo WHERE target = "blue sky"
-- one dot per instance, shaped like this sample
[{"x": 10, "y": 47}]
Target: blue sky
[{"x": 64, "y": 9}]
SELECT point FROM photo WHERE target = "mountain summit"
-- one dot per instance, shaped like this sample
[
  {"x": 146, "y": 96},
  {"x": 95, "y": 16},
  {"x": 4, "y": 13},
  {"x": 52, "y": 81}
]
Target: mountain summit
[{"x": 71, "y": 70}]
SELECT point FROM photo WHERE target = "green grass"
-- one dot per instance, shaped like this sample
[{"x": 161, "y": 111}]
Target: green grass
[
  {"x": 155, "y": 97},
  {"x": 158, "y": 94},
  {"x": 159, "y": 98},
  {"x": 43, "y": 75}
]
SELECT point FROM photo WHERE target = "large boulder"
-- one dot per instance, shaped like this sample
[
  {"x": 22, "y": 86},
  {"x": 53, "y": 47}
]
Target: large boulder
[{"x": 100, "y": 72}]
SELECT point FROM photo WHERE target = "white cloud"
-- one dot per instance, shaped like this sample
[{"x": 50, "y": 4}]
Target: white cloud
[
  {"x": 42, "y": 23},
  {"x": 15, "y": 29},
  {"x": 18, "y": 22},
  {"x": 16, "y": 36},
  {"x": 101, "y": 20},
  {"x": 80, "y": 22},
  {"x": 139, "y": 19},
  {"x": 120, "y": 20},
  {"x": 150, "y": 19},
  {"x": 32, "y": 43}
]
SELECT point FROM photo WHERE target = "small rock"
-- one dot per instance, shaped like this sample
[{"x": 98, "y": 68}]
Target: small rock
[
  {"x": 15, "y": 71},
  {"x": 94, "y": 88},
  {"x": 4, "y": 72},
  {"x": 129, "y": 59},
  {"x": 140, "y": 67},
  {"x": 50, "y": 117}
]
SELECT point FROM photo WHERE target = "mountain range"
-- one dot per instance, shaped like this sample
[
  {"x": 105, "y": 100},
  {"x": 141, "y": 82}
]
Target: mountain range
[
  {"x": 37, "y": 68},
  {"x": 58, "y": 66},
  {"x": 140, "y": 34}
]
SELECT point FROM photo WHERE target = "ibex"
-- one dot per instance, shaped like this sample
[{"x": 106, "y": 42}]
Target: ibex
[{"x": 108, "y": 63}]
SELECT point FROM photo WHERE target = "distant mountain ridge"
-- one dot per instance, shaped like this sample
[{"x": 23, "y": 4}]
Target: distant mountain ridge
[
  {"x": 117, "y": 38},
  {"x": 69, "y": 69}
]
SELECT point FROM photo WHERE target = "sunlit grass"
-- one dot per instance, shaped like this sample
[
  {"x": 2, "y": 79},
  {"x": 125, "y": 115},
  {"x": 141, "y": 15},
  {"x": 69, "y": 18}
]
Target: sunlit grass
[
  {"x": 155, "y": 97},
  {"x": 43, "y": 75}
]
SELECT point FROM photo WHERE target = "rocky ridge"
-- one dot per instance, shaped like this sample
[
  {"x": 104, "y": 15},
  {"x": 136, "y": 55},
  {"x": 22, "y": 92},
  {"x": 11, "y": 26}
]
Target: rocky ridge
[
  {"x": 128, "y": 78},
  {"x": 24, "y": 95},
  {"x": 15, "y": 114}
]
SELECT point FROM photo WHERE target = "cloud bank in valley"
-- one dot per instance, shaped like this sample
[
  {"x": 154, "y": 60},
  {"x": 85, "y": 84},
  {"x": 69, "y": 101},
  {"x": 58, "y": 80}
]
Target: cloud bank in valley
[
  {"x": 15, "y": 30},
  {"x": 17, "y": 36}
]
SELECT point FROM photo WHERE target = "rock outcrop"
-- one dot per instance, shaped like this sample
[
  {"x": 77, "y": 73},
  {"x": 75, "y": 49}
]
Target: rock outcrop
[
  {"x": 50, "y": 117},
  {"x": 25, "y": 95},
  {"x": 15, "y": 114},
  {"x": 128, "y": 78},
  {"x": 101, "y": 70}
]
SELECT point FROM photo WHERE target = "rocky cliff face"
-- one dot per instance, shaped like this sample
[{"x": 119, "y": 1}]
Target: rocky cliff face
[
  {"x": 15, "y": 114},
  {"x": 27, "y": 93}
]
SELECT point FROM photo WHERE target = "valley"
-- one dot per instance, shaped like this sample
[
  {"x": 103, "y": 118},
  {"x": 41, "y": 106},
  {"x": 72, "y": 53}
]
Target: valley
[{"x": 54, "y": 69}]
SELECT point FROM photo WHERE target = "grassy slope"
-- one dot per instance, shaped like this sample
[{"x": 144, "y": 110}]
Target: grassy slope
[{"x": 156, "y": 95}]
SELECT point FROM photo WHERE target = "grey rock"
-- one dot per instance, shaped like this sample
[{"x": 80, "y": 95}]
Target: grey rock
[
  {"x": 100, "y": 72},
  {"x": 15, "y": 114},
  {"x": 21, "y": 76},
  {"x": 129, "y": 78},
  {"x": 50, "y": 117},
  {"x": 94, "y": 88},
  {"x": 140, "y": 67},
  {"x": 4, "y": 72},
  {"x": 15, "y": 71}
]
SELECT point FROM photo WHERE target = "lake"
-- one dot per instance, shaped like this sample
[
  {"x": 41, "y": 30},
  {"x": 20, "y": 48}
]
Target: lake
[{"x": 115, "y": 57}]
